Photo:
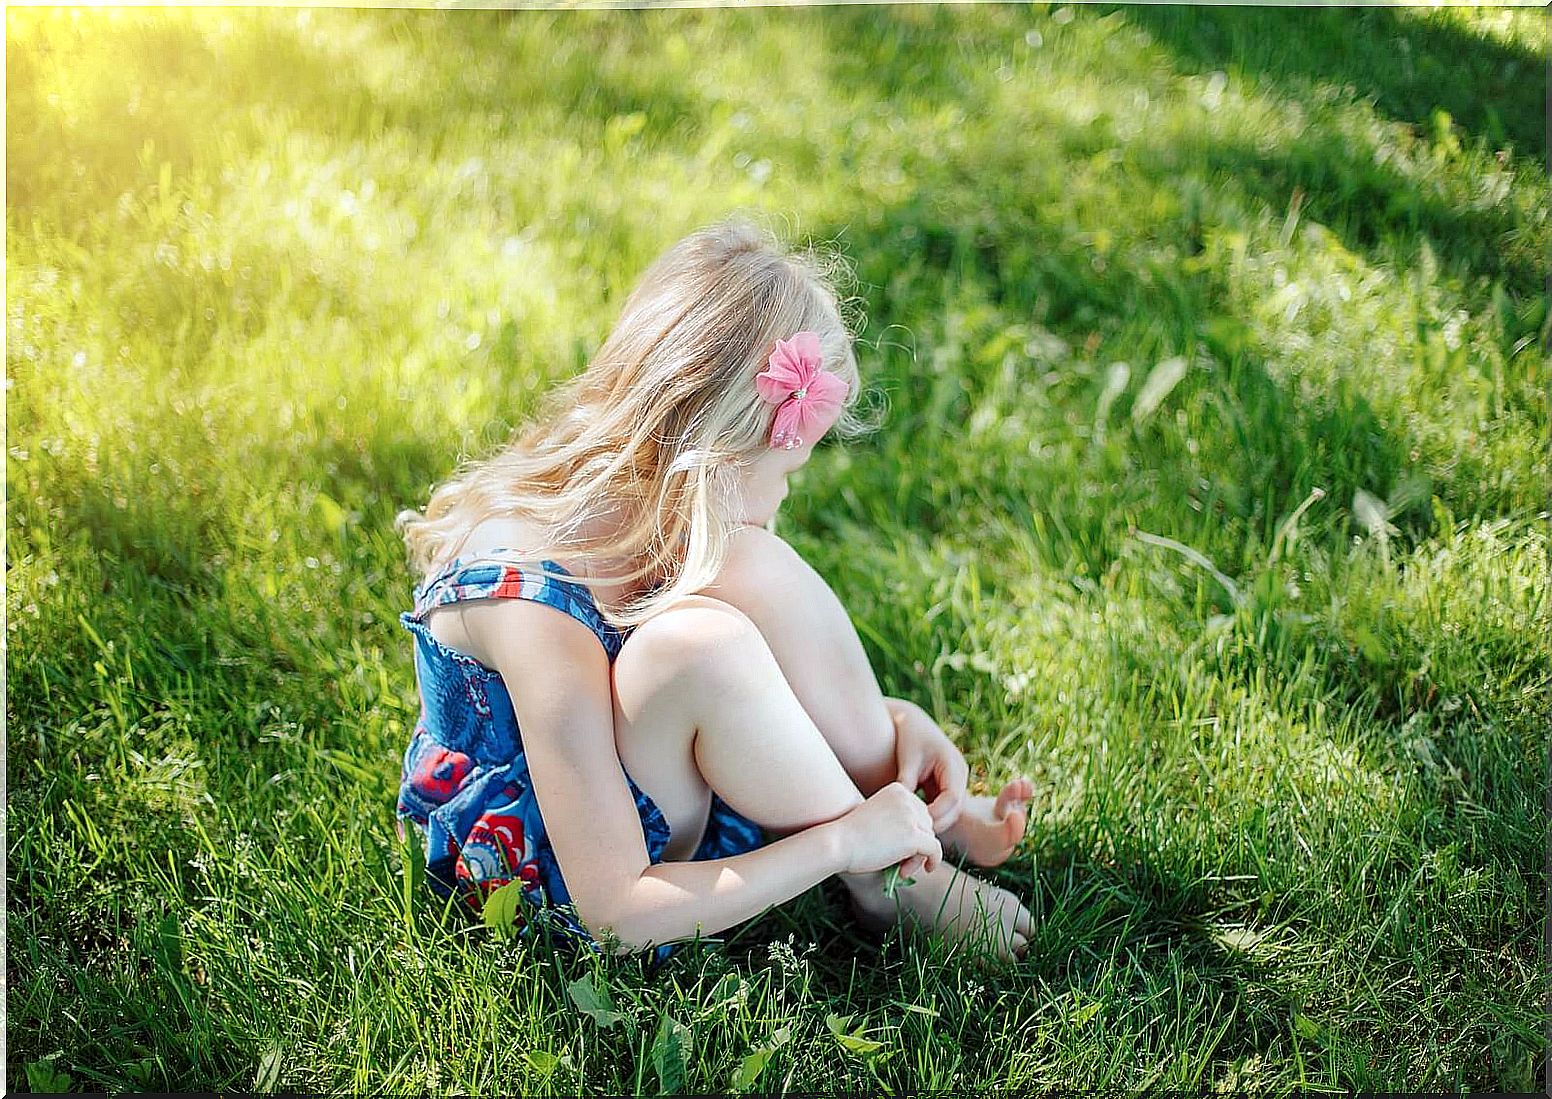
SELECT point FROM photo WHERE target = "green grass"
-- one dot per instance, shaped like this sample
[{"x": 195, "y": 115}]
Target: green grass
[{"x": 271, "y": 272}]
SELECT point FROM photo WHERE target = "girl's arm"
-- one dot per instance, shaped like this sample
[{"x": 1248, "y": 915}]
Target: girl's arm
[
  {"x": 558, "y": 678},
  {"x": 927, "y": 758}
]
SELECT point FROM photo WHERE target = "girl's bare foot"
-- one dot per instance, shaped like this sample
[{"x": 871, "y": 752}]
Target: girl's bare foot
[
  {"x": 968, "y": 912},
  {"x": 988, "y": 829}
]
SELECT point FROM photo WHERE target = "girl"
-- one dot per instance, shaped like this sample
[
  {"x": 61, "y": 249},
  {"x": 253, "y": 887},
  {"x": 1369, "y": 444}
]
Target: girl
[{"x": 697, "y": 735}]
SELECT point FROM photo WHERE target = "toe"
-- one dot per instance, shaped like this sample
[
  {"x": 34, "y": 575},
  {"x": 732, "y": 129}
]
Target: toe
[
  {"x": 1024, "y": 922},
  {"x": 1013, "y": 830},
  {"x": 1013, "y": 796}
]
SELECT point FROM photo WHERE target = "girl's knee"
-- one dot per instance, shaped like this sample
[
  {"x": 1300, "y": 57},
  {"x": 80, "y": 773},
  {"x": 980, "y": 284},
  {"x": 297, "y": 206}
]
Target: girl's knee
[{"x": 696, "y": 638}]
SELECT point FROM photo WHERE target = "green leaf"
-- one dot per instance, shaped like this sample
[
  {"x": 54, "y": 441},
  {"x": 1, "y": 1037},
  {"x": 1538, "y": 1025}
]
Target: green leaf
[
  {"x": 622, "y": 127},
  {"x": 267, "y": 1078},
  {"x": 169, "y": 942},
  {"x": 1228, "y": 335},
  {"x": 334, "y": 516},
  {"x": 594, "y": 1000},
  {"x": 501, "y": 906},
  {"x": 543, "y": 1061},
  {"x": 893, "y": 881},
  {"x": 1369, "y": 643},
  {"x": 1083, "y": 1013},
  {"x": 1307, "y": 1027},
  {"x": 751, "y": 1067},
  {"x": 44, "y": 1079},
  {"x": 853, "y": 1042},
  {"x": 670, "y": 1052},
  {"x": 413, "y": 851}
]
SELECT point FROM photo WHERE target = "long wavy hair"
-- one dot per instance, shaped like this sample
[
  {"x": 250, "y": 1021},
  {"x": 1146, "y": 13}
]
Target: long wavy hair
[{"x": 636, "y": 458}]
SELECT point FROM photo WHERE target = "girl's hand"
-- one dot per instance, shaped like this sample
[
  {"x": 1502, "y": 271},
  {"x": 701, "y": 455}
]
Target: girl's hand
[
  {"x": 926, "y": 758},
  {"x": 890, "y": 828}
]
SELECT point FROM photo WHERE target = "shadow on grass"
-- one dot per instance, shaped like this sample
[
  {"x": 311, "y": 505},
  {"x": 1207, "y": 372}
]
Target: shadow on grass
[
  {"x": 493, "y": 82},
  {"x": 1163, "y": 925},
  {"x": 1409, "y": 65},
  {"x": 1342, "y": 185},
  {"x": 1133, "y": 929},
  {"x": 1365, "y": 204},
  {"x": 1255, "y": 448}
]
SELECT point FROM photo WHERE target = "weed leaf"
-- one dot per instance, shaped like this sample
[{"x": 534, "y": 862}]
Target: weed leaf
[
  {"x": 1307, "y": 1027},
  {"x": 1082, "y": 1014},
  {"x": 267, "y": 1078},
  {"x": 45, "y": 1079},
  {"x": 594, "y": 1000},
  {"x": 500, "y": 907},
  {"x": 670, "y": 1052},
  {"x": 852, "y": 1042},
  {"x": 543, "y": 1061},
  {"x": 751, "y": 1067}
]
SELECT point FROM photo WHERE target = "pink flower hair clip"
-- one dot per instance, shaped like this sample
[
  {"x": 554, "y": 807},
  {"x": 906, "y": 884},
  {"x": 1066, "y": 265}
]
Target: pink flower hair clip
[{"x": 806, "y": 395}]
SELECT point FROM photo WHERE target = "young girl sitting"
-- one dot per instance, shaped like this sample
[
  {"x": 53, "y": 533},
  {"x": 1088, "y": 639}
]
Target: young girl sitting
[{"x": 697, "y": 735}]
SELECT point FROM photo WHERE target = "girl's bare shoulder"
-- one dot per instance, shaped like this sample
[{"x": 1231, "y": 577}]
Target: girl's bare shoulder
[
  {"x": 502, "y": 631},
  {"x": 761, "y": 561},
  {"x": 760, "y": 545}
]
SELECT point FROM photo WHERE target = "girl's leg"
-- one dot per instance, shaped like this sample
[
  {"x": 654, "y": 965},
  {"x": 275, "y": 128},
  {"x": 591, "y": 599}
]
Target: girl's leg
[
  {"x": 701, "y": 704},
  {"x": 813, "y": 640}
]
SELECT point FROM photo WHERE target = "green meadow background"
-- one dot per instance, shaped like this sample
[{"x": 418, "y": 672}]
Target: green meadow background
[{"x": 1211, "y": 491}]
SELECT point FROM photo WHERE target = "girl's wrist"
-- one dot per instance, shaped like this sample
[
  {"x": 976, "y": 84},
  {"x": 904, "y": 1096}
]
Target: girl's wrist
[{"x": 833, "y": 843}]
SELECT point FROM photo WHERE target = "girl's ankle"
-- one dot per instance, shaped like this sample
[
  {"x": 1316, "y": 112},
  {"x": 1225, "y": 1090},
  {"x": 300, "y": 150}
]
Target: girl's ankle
[
  {"x": 864, "y": 885},
  {"x": 872, "y": 909},
  {"x": 867, "y": 891}
]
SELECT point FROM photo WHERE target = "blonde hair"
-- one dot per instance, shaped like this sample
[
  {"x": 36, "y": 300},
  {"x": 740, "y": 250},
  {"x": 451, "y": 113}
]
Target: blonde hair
[{"x": 651, "y": 434}]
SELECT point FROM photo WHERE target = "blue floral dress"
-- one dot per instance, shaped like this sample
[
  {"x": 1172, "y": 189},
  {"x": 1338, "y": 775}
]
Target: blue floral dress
[{"x": 465, "y": 784}]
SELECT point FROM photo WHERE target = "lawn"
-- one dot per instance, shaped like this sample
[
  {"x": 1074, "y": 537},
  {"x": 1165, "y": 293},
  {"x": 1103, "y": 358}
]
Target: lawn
[{"x": 1211, "y": 492}]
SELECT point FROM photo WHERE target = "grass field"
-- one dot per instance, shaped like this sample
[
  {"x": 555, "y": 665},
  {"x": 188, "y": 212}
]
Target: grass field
[{"x": 1212, "y": 493}]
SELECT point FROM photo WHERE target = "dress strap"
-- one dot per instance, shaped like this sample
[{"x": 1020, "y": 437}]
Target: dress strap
[{"x": 504, "y": 574}]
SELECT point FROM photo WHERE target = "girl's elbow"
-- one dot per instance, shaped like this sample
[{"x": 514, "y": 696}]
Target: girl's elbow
[
  {"x": 613, "y": 927},
  {"x": 621, "y": 936}
]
